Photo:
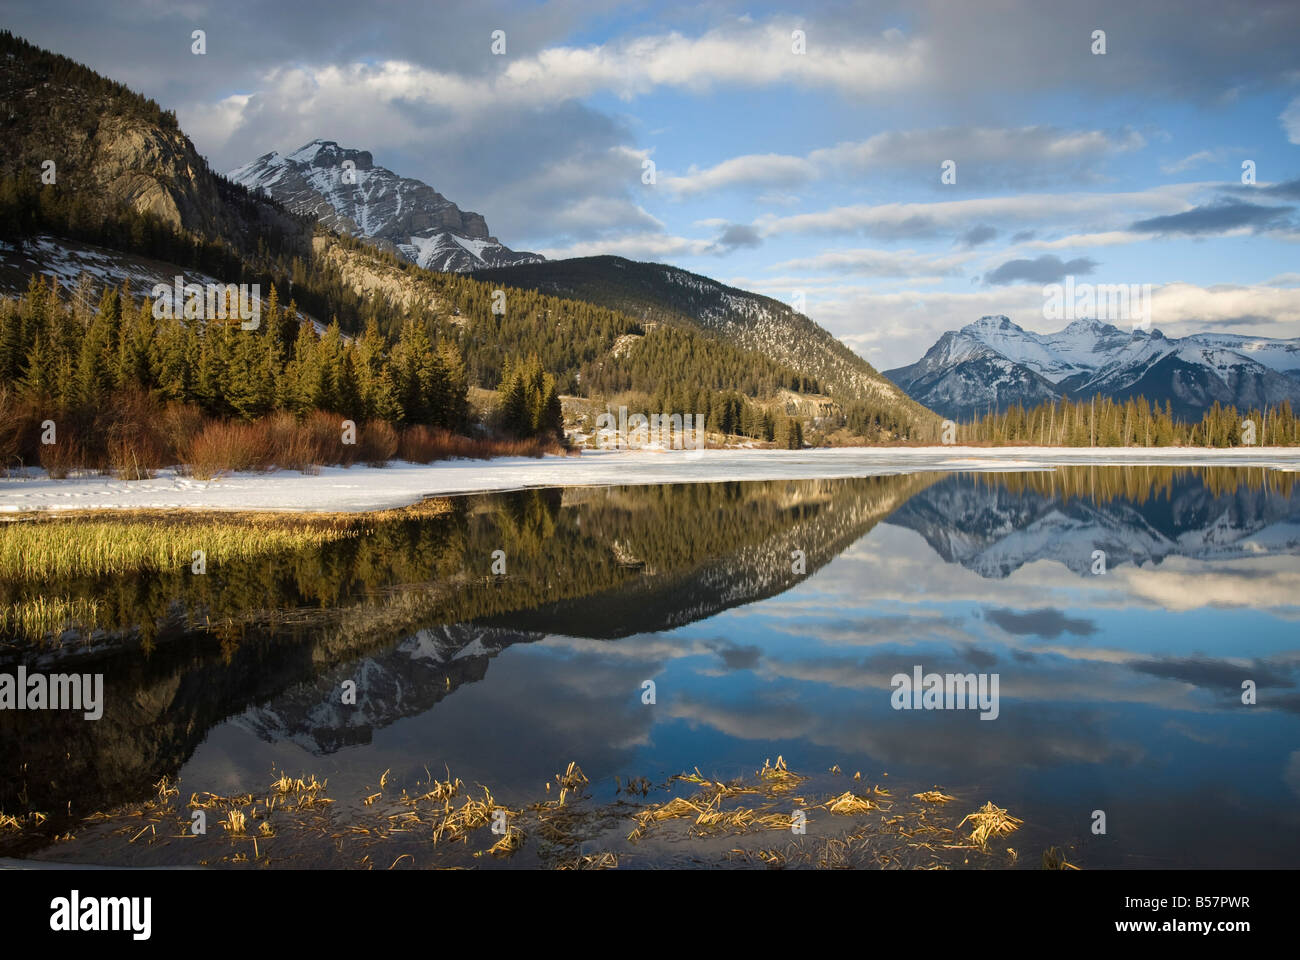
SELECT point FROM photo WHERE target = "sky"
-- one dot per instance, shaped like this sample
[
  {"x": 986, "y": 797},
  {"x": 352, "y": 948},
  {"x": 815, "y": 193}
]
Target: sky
[{"x": 798, "y": 151}]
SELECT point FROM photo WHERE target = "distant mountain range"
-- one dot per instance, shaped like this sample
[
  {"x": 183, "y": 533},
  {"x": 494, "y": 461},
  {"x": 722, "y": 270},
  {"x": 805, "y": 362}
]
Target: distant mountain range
[
  {"x": 344, "y": 190},
  {"x": 994, "y": 363},
  {"x": 994, "y": 530}
]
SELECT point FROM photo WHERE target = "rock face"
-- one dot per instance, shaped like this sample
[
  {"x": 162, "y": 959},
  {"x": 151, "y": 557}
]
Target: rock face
[
  {"x": 344, "y": 190},
  {"x": 115, "y": 153},
  {"x": 98, "y": 150},
  {"x": 994, "y": 363}
]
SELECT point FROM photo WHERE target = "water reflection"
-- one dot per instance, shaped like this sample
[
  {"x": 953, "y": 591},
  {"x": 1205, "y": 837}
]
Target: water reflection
[{"x": 1121, "y": 690}]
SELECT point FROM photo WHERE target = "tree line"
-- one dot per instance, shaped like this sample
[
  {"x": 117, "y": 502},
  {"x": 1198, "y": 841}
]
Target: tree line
[{"x": 1106, "y": 422}]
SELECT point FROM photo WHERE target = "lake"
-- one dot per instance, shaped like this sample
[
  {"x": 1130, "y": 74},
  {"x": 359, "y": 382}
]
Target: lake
[{"x": 660, "y": 630}]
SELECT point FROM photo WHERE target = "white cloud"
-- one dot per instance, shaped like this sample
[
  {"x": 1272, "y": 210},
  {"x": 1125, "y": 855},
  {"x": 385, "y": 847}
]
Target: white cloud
[
  {"x": 768, "y": 169},
  {"x": 1291, "y": 120},
  {"x": 982, "y": 153},
  {"x": 879, "y": 263},
  {"x": 891, "y": 328},
  {"x": 638, "y": 246},
  {"x": 922, "y": 219}
]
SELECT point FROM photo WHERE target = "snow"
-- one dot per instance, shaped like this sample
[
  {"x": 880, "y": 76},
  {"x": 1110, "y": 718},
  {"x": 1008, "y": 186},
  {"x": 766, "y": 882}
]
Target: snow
[{"x": 369, "y": 488}]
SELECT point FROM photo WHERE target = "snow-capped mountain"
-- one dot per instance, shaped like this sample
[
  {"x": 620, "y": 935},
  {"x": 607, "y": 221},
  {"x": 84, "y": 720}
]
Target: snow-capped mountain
[
  {"x": 994, "y": 530},
  {"x": 995, "y": 363},
  {"x": 345, "y": 191}
]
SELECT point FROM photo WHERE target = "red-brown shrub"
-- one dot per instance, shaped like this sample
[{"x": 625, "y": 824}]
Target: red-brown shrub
[
  {"x": 377, "y": 443},
  {"x": 227, "y": 446}
]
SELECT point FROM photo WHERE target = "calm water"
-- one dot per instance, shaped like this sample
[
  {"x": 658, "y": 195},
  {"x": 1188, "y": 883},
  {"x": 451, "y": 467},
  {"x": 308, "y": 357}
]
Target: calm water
[{"x": 1120, "y": 690}]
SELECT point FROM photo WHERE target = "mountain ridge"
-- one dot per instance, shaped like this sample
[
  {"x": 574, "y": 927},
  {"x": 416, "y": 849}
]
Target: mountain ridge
[{"x": 995, "y": 363}]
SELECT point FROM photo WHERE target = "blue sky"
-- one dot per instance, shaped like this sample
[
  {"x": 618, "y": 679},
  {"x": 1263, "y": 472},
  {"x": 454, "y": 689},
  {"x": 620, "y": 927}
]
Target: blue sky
[{"x": 780, "y": 171}]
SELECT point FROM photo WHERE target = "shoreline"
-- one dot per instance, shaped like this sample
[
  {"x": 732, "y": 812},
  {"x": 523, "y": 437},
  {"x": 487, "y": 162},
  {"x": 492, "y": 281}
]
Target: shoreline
[{"x": 360, "y": 488}]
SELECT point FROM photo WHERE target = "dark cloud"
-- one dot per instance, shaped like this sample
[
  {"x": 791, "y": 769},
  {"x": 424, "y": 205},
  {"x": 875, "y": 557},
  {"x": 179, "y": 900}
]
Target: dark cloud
[
  {"x": 977, "y": 657},
  {"x": 1045, "y": 269},
  {"x": 1047, "y": 623},
  {"x": 1023, "y": 236},
  {"x": 737, "y": 657},
  {"x": 735, "y": 236},
  {"x": 1288, "y": 189},
  {"x": 1217, "y": 217},
  {"x": 980, "y": 233},
  {"x": 1214, "y": 674}
]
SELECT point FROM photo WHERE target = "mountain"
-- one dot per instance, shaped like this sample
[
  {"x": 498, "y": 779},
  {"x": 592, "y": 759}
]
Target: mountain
[
  {"x": 658, "y": 293},
  {"x": 343, "y": 190},
  {"x": 994, "y": 363},
  {"x": 133, "y": 201},
  {"x": 995, "y": 529},
  {"x": 100, "y": 152}
]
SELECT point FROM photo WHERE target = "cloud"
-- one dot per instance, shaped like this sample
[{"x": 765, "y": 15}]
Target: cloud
[
  {"x": 978, "y": 234},
  {"x": 945, "y": 217},
  {"x": 737, "y": 235},
  {"x": 1291, "y": 120},
  {"x": 768, "y": 169},
  {"x": 636, "y": 246},
  {"x": 1218, "y": 217},
  {"x": 891, "y": 328},
  {"x": 1288, "y": 189},
  {"x": 1021, "y": 157},
  {"x": 1194, "y": 160},
  {"x": 1046, "y": 269},
  {"x": 878, "y": 263},
  {"x": 1048, "y": 622},
  {"x": 1223, "y": 675}
]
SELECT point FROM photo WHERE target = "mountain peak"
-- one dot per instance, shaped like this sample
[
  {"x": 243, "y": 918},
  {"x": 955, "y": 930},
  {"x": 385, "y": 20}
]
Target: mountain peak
[
  {"x": 401, "y": 214},
  {"x": 1091, "y": 325},
  {"x": 992, "y": 323},
  {"x": 328, "y": 153}
]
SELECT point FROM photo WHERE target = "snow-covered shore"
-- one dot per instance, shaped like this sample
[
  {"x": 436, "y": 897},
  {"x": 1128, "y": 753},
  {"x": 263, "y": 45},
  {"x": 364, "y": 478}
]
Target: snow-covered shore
[{"x": 368, "y": 488}]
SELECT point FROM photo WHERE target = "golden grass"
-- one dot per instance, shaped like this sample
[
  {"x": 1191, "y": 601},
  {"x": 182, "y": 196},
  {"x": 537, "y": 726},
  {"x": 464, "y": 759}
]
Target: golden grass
[
  {"x": 236, "y": 822},
  {"x": 778, "y": 777},
  {"x": 989, "y": 822},
  {"x": 934, "y": 796},
  {"x": 44, "y": 616},
  {"x": 73, "y": 547},
  {"x": 1054, "y": 859},
  {"x": 591, "y": 861},
  {"x": 38, "y": 548},
  {"x": 509, "y": 844},
  {"x": 437, "y": 823},
  {"x": 849, "y": 803}
]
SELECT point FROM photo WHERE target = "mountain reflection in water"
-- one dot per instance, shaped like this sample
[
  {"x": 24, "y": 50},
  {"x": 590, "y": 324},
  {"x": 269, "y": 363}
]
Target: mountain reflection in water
[{"x": 771, "y": 617}]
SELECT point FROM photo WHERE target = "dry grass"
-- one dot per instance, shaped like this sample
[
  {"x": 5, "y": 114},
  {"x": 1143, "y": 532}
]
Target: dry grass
[
  {"x": 849, "y": 803},
  {"x": 438, "y": 824},
  {"x": 591, "y": 861},
  {"x": 42, "y": 549},
  {"x": 989, "y": 822},
  {"x": 934, "y": 796},
  {"x": 48, "y": 616},
  {"x": 778, "y": 777}
]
